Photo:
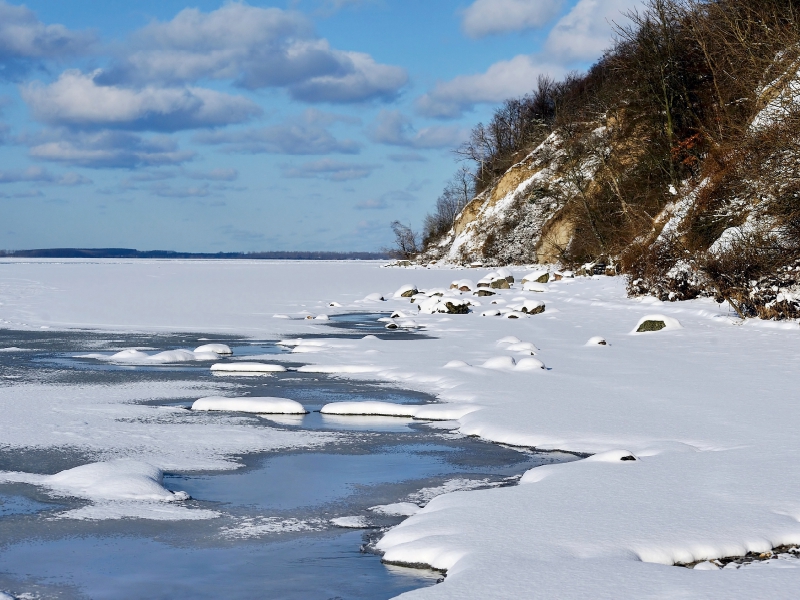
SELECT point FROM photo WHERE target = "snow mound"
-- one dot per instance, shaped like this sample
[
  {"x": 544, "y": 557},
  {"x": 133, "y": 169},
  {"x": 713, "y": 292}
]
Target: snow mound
[
  {"x": 652, "y": 323},
  {"x": 351, "y": 522},
  {"x": 248, "y": 367},
  {"x": 427, "y": 412},
  {"x": 281, "y": 317},
  {"x": 515, "y": 314},
  {"x": 706, "y": 566},
  {"x": 122, "y": 479},
  {"x": 335, "y": 305},
  {"x": 398, "y": 509},
  {"x": 322, "y": 318},
  {"x": 491, "y": 313},
  {"x": 265, "y": 405},
  {"x": 456, "y": 364},
  {"x": 523, "y": 347},
  {"x": 166, "y": 357},
  {"x": 531, "y": 286},
  {"x": 500, "y": 363},
  {"x": 215, "y": 348},
  {"x": 596, "y": 341},
  {"x": 612, "y": 456},
  {"x": 374, "y": 297},
  {"x": 529, "y": 364},
  {"x": 509, "y": 339}
]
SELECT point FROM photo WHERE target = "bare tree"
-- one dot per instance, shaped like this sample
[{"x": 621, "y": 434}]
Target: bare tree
[{"x": 406, "y": 244}]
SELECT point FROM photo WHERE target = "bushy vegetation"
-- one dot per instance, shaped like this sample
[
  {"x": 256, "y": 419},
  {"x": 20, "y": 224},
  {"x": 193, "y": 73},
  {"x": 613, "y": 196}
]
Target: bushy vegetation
[{"x": 674, "y": 109}]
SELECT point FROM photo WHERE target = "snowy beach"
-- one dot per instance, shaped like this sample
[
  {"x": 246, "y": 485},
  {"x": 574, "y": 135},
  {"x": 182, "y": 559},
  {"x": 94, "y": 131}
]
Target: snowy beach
[{"x": 691, "y": 427}]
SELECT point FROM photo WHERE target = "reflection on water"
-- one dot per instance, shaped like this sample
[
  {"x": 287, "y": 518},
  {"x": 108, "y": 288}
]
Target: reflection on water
[{"x": 316, "y": 566}]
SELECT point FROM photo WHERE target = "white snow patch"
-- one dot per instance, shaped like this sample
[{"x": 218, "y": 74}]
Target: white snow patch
[
  {"x": 248, "y": 404},
  {"x": 398, "y": 509},
  {"x": 248, "y": 367},
  {"x": 355, "y": 522},
  {"x": 215, "y": 348}
]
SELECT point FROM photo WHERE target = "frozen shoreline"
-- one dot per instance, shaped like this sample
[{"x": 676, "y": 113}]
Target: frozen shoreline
[{"x": 709, "y": 410}]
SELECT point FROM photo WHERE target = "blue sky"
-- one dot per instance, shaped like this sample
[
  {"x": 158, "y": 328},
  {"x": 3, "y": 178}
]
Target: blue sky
[{"x": 232, "y": 126}]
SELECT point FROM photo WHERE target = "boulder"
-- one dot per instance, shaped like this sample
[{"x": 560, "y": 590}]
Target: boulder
[
  {"x": 457, "y": 307},
  {"x": 499, "y": 284},
  {"x": 536, "y": 277},
  {"x": 505, "y": 274},
  {"x": 532, "y": 307},
  {"x": 650, "y": 325},
  {"x": 406, "y": 291},
  {"x": 484, "y": 292}
]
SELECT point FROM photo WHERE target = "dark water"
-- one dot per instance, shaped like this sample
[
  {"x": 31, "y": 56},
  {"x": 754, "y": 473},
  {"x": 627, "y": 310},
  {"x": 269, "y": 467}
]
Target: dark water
[{"x": 274, "y": 538}]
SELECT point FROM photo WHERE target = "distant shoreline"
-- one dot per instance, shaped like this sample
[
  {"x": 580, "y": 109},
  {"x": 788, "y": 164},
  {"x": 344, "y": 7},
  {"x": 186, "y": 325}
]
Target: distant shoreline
[{"x": 132, "y": 253}]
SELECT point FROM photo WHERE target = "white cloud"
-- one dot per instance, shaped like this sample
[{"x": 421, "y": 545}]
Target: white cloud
[
  {"x": 489, "y": 17},
  {"x": 305, "y": 134},
  {"x": 504, "y": 79},
  {"x": 256, "y": 48},
  {"x": 330, "y": 169},
  {"x": 76, "y": 99},
  {"x": 103, "y": 149},
  {"x": 42, "y": 175},
  {"x": 395, "y": 129},
  {"x": 23, "y": 36},
  {"x": 587, "y": 30}
]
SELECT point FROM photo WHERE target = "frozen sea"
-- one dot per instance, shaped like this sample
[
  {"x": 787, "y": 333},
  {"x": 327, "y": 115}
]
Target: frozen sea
[{"x": 273, "y": 535}]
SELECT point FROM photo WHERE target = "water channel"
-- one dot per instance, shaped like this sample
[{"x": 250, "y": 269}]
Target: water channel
[{"x": 275, "y": 537}]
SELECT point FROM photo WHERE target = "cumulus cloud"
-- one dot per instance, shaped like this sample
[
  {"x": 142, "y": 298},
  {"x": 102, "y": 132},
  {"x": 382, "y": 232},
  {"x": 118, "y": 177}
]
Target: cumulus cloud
[
  {"x": 255, "y": 48},
  {"x": 24, "y": 40},
  {"x": 76, "y": 99},
  {"x": 490, "y": 17},
  {"x": 305, "y": 134},
  {"x": 330, "y": 169},
  {"x": 42, "y": 175},
  {"x": 504, "y": 79},
  {"x": 587, "y": 30},
  {"x": 101, "y": 149},
  {"x": 395, "y": 129}
]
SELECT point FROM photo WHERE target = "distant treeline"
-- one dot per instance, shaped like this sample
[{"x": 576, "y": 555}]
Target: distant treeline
[{"x": 131, "y": 253}]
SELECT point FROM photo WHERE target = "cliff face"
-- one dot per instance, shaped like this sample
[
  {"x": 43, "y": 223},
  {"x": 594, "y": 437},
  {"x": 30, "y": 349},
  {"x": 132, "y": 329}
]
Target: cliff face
[{"x": 520, "y": 219}]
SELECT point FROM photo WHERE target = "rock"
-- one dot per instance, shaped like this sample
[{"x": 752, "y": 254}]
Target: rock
[
  {"x": 532, "y": 307},
  {"x": 491, "y": 313},
  {"x": 536, "y": 277},
  {"x": 403, "y": 263},
  {"x": 500, "y": 284},
  {"x": 391, "y": 326},
  {"x": 457, "y": 307},
  {"x": 406, "y": 291},
  {"x": 651, "y": 326},
  {"x": 505, "y": 274},
  {"x": 596, "y": 341},
  {"x": 484, "y": 292},
  {"x": 557, "y": 277}
]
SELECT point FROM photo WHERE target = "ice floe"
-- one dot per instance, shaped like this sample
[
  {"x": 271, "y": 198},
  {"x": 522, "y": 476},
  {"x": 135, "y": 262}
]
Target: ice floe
[
  {"x": 247, "y": 367},
  {"x": 215, "y": 348},
  {"x": 249, "y": 404},
  {"x": 431, "y": 412},
  {"x": 397, "y": 509}
]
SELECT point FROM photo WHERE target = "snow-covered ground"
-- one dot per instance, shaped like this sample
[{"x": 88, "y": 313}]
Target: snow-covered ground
[{"x": 693, "y": 428}]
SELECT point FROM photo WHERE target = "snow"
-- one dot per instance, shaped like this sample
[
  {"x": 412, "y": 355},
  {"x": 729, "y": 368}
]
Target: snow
[
  {"x": 709, "y": 411},
  {"x": 118, "y": 488},
  {"x": 599, "y": 341},
  {"x": 215, "y": 348},
  {"x": 355, "y": 522},
  {"x": 168, "y": 356},
  {"x": 404, "y": 289},
  {"x": 397, "y": 509},
  {"x": 248, "y": 367},
  {"x": 432, "y": 412},
  {"x": 250, "y": 405}
]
